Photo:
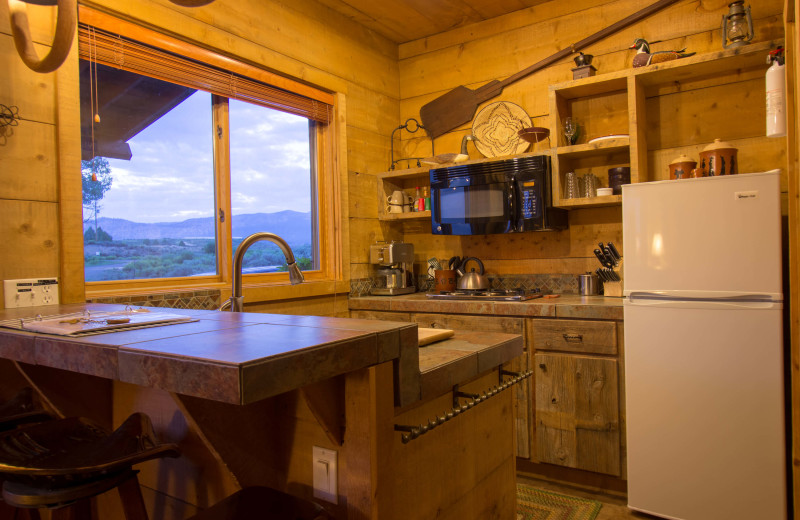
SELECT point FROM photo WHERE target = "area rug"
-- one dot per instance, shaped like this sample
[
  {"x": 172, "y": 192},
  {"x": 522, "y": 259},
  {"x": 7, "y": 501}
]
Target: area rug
[{"x": 539, "y": 504}]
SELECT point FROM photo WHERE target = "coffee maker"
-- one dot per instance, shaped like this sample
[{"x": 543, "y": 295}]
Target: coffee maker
[{"x": 397, "y": 265}]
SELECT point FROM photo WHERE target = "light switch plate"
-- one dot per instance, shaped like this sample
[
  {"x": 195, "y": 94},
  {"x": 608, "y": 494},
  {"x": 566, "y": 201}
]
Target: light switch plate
[
  {"x": 30, "y": 292},
  {"x": 325, "y": 485}
]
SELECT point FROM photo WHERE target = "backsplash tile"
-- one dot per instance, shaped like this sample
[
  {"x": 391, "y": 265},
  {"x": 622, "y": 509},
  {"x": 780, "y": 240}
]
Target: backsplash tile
[
  {"x": 546, "y": 283},
  {"x": 205, "y": 299}
]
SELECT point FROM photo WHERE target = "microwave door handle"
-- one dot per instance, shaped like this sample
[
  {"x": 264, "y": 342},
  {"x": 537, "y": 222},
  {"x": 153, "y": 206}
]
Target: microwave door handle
[{"x": 513, "y": 204}]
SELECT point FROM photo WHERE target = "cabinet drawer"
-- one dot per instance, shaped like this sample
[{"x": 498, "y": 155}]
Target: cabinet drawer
[{"x": 594, "y": 337}]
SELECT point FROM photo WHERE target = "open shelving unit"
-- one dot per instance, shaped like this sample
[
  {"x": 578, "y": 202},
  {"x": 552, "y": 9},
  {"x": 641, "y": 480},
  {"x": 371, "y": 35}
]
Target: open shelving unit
[{"x": 666, "y": 109}]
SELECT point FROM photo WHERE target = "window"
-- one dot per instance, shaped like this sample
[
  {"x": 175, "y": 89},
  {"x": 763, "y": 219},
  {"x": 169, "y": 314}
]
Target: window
[{"x": 182, "y": 159}]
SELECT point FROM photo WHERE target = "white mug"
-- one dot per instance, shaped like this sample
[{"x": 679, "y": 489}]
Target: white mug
[
  {"x": 392, "y": 208},
  {"x": 397, "y": 198}
]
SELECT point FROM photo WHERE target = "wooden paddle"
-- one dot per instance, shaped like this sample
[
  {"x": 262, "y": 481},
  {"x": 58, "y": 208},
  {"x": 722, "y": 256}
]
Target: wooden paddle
[{"x": 459, "y": 105}]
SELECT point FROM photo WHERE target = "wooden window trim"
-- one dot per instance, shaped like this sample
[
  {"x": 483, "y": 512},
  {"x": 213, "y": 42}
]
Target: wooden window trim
[{"x": 328, "y": 278}]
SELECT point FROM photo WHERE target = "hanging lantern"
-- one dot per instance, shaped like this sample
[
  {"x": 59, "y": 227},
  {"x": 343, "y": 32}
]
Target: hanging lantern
[{"x": 737, "y": 25}]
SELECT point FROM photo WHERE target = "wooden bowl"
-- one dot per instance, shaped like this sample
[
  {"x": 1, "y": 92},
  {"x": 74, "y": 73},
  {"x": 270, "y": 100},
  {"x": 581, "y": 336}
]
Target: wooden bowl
[{"x": 534, "y": 134}]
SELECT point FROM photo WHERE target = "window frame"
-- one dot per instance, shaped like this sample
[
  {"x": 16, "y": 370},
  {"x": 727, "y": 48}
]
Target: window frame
[{"x": 323, "y": 144}]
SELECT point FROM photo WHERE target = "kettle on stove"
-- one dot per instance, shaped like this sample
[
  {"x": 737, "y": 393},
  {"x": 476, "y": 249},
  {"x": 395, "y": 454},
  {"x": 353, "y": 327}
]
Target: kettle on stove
[{"x": 471, "y": 280}]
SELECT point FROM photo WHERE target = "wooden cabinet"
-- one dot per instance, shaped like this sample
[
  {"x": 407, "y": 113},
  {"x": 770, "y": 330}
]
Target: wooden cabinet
[
  {"x": 577, "y": 395},
  {"x": 668, "y": 109},
  {"x": 571, "y": 412},
  {"x": 577, "y": 412}
]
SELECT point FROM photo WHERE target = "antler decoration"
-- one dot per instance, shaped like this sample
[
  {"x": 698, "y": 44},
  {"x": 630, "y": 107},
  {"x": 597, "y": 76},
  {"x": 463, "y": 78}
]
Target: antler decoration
[
  {"x": 66, "y": 19},
  {"x": 62, "y": 41}
]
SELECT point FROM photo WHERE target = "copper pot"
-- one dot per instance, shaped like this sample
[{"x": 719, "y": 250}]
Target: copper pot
[
  {"x": 681, "y": 167},
  {"x": 719, "y": 158}
]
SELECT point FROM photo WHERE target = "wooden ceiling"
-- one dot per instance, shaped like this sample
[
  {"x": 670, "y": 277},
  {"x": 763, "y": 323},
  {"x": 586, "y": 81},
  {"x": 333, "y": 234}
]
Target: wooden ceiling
[{"x": 406, "y": 20}]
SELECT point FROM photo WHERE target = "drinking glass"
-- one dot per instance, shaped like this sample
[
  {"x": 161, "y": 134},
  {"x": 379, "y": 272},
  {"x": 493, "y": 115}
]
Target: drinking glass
[
  {"x": 589, "y": 185},
  {"x": 571, "y": 188},
  {"x": 570, "y": 130}
]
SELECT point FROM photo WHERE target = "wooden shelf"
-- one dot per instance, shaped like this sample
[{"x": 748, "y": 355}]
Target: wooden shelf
[
  {"x": 618, "y": 103},
  {"x": 407, "y": 216},
  {"x": 591, "y": 202},
  {"x": 588, "y": 149},
  {"x": 705, "y": 65}
]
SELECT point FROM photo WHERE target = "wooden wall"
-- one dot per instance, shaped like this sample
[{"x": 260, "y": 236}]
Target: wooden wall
[
  {"x": 497, "y": 48},
  {"x": 301, "y": 39},
  {"x": 28, "y": 161}
]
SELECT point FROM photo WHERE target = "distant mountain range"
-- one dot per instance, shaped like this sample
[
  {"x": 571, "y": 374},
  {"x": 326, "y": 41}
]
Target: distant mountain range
[{"x": 292, "y": 226}]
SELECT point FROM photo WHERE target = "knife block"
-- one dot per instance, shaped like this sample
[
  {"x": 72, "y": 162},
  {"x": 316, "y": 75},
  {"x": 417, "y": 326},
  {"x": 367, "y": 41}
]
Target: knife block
[{"x": 615, "y": 289}]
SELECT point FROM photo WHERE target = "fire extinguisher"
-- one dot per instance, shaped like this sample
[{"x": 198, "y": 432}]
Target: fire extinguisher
[{"x": 776, "y": 94}]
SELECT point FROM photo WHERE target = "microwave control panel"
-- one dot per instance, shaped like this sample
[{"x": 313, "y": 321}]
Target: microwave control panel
[{"x": 531, "y": 200}]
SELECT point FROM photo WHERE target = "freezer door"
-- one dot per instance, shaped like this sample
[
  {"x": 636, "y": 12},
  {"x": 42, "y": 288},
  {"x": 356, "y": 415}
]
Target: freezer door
[
  {"x": 705, "y": 413},
  {"x": 714, "y": 236}
]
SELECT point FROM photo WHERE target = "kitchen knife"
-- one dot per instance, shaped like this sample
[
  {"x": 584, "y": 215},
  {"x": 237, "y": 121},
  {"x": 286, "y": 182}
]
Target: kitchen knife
[
  {"x": 600, "y": 256},
  {"x": 614, "y": 251},
  {"x": 601, "y": 274},
  {"x": 609, "y": 256}
]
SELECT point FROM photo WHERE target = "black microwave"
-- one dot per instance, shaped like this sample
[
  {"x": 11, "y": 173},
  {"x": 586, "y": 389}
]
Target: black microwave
[{"x": 486, "y": 198}]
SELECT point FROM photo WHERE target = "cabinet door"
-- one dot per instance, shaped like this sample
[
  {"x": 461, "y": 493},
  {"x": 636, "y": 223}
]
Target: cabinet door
[{"x": 577, "y": 412}]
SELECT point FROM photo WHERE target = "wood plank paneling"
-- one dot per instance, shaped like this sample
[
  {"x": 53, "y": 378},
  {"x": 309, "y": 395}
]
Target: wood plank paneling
[
  {"x": 27, "y": 161},
  {"x": 497, "y": 48},
  {"x": 30, "y": 234},
  {"x": 32, "y": 93}
]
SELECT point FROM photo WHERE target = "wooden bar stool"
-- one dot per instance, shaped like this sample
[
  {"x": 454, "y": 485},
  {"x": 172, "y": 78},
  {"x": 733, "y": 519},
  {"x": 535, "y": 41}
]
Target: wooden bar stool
[
  {"x": 24, "y": 408},
  {"x": 61, "y": 464},
  {"x": 263, "y": 503}
]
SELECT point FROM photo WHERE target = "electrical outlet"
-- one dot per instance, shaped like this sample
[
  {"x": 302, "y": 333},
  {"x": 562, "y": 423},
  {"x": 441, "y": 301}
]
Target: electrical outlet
[
  {"x": 325, "y": 485},
  {"x": 30, "y": 292}
]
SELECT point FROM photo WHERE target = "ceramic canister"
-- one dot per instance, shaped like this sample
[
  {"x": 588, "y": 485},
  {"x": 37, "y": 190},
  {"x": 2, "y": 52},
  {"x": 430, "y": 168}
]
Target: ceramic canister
[
  {"x": 681, "y": 167},
  {"x": 719, "y": 158}
]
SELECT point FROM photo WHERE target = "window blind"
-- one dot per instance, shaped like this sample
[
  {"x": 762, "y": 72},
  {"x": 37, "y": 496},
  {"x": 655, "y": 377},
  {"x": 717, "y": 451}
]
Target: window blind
[{"x": 127, "y": 54}]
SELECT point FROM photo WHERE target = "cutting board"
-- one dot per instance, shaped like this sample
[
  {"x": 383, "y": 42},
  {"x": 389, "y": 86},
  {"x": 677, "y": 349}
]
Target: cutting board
[{"x": 428, "y": 336}]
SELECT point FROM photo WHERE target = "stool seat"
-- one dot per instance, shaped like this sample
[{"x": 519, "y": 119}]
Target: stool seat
[
  {"x": 65, "y": 462},
  {"x": 263, "y": 503},
  {"x": 18, "y": 494},
  {"x": 76, "y": 448}
]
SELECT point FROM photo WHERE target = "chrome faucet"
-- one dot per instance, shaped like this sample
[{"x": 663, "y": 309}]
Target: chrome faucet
[{"x": 236, "y": 301}]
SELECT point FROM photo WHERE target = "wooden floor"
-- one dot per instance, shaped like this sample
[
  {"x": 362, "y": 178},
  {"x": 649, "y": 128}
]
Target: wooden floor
[{"x": 614, "y": 506}]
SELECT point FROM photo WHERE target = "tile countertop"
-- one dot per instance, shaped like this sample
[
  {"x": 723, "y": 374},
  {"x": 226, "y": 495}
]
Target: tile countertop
[
  {"x": 241, "y": 358},
  {"x": 565, "y": 306}
]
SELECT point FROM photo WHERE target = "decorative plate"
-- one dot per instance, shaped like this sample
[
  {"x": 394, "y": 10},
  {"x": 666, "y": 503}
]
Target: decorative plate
[{"x": 497, "y": 128}]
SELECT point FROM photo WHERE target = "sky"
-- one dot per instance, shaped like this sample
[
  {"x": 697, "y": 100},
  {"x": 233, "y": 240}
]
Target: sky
[{"x": 170, "y": 176}]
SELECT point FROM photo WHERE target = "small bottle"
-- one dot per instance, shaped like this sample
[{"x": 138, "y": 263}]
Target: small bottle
[
  {"x": 419, "y": 202},
  {"x": 427, "y": 197}
]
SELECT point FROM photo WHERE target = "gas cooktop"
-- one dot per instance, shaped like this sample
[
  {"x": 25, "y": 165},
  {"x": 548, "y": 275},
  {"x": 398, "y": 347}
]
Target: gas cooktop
[{"x": 498, "y": 295}]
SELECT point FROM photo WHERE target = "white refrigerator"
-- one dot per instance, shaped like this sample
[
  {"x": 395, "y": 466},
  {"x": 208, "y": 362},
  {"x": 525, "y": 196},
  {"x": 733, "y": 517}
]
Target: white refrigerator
[{"x": 704, "y": 348}]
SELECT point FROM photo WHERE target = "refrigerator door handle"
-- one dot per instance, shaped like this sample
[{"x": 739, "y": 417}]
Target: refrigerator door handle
[{"x": 738, "y": 301}]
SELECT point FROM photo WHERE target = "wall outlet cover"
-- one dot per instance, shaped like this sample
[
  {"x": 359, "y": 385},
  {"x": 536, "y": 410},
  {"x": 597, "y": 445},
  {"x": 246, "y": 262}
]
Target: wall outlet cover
[{"x": 30, "y": 292}]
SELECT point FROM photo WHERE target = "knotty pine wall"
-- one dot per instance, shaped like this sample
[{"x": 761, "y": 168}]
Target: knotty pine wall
[
  {"x": 301, "y": 39},
  {"x": 500, "y": 47}
]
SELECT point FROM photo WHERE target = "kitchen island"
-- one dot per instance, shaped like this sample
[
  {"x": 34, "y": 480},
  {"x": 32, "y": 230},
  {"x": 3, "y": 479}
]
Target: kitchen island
[{"x": 247, "y": 396}]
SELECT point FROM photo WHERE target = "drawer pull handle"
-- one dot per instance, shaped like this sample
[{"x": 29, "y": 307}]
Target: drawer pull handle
[
  {"x": 573, "y": 338},
  {"x": 543, "y": 367}
]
